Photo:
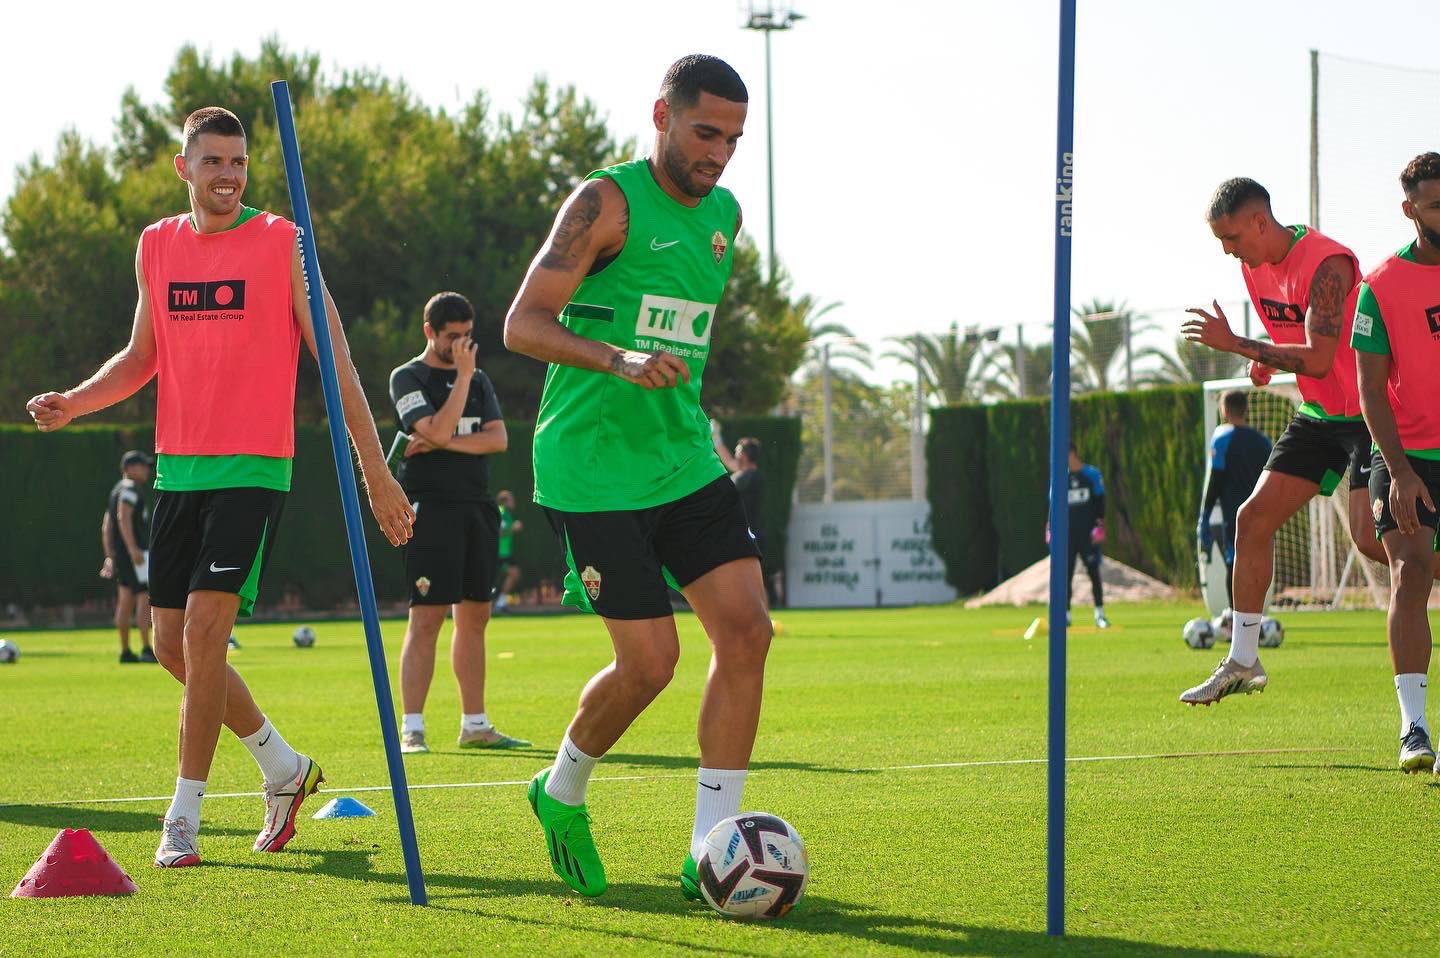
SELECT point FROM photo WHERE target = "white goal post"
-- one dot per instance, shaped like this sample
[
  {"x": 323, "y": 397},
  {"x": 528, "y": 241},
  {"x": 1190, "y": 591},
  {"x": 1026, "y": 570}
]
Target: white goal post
[{"x": 1316, "y": 563}]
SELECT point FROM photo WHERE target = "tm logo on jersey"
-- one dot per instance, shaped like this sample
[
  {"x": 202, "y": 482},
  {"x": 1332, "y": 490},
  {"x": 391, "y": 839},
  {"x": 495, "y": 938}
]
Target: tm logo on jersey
[
  {"x": 221, "y": 299},
  {"x": 675, "y": 320},
  {"x": 1432, "y": 316},
  {"x": 1278, "y": 312}
]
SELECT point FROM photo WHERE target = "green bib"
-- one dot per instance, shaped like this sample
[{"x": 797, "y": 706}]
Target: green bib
[{"x": 603, "y": 444}]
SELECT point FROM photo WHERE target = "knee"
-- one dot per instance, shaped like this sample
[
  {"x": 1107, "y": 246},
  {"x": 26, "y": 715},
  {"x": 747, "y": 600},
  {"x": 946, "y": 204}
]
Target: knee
[
  {"x": 650, "y": 672},
  {"x": 1250, "y": 521},
  {"x": 168, "y": 650},
  {"x": 746, "y": 645},
  {"x": 1410, "y": 575}
]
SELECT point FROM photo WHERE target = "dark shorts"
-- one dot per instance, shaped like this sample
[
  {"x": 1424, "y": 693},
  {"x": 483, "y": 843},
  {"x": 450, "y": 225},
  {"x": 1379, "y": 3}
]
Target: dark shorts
[
  {"x": 453, "y": 552},
  {"x": 125, "y": 573},
  {"x": 1429, "y": 472},
  {"x": 1320, "y": 450},
  {"x": 213, "y": 540},
  {"x": 621, "y": 565}
]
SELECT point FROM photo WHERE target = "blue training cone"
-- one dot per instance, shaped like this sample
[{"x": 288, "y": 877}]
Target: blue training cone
[{"x": 344, "y": 808}]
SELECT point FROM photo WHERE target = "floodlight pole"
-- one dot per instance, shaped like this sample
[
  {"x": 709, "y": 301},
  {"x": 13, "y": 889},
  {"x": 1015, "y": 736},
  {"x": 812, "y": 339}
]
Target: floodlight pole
[{"x": 768, "y": 21}]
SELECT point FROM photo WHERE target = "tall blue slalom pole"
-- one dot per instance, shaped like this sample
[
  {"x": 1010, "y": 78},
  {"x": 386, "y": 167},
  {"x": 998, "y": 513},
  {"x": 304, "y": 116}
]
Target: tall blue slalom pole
[
  {"x": 349, "y": 494},
  {"x": 1059, "y": 475}
]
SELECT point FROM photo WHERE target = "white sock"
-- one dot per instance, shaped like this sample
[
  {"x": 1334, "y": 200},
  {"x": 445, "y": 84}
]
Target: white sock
[
  {"x": 1099, "y": 612},
  {"x": 717, "y": 797},
  {"x": 474, "y": 723},
  {"x": 1245, "y": 637},
  {"x": 277, "y": 760},
  {"x": 186, "y": 803},
  {"x": 413, "y": 722},
  {"x": 1410, "y": 687},
  {"x": 571, "y": 774}
]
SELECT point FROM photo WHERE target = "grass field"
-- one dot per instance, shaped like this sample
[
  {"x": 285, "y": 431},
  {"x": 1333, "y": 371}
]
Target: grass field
[{"x": 876, "y": 729}]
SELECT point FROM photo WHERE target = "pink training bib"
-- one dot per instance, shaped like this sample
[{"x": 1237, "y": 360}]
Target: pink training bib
[
  {"x": 1281, "y": 294},
  {"x": 1408, "y": 294},
  {"x": 226, "y": 334}
]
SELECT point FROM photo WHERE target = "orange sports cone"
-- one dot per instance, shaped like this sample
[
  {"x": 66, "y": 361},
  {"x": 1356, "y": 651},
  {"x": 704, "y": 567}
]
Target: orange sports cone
[{"x": 74, "y": 864}]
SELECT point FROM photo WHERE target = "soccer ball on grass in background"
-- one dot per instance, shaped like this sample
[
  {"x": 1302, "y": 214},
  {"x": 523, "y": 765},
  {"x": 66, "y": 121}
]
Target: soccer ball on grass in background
[
  {"x": 753, "y": 865},
  {"x": 1222, "y": 625},
  {"x": 1199, "y": 633},
  {"x": 304, "y": 637},
  {"x": 9, "y": 651},
  {"x": 1272, "y": 633}
]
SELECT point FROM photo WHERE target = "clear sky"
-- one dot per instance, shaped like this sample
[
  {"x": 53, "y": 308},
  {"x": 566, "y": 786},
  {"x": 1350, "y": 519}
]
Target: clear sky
[{"x": 914, "y": 141}]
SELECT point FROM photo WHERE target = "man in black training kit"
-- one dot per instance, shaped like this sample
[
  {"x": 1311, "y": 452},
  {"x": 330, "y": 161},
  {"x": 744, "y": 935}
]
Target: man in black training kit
[
  {"x": 744, "y": 467},
  {"x": 450, "y": 411},
  {"x": 1238, "y": 454},
  {"x": 1086, "y": 496},
  {"x": 125, "y": 533}
]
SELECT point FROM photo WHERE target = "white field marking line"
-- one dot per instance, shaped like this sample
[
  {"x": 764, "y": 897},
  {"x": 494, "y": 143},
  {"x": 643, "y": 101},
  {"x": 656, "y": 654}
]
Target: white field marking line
[{"x": 1147, "y": 756}]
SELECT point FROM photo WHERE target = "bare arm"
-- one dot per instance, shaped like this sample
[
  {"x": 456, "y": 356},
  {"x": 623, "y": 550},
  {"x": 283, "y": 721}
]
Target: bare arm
[
  {"x": 107, "y": 534},
  {"x": 491, "y": 438},
  {"x": 438, "y": 430},
  {"x": 594, "y": 222},
  {"x": 120, "y": 377},
  {"x": 387, "y": 500},
  {"x": 1329, "y": 288},
  {"x": 123, "y": 513},
  {"x": 730, "y": 463}
]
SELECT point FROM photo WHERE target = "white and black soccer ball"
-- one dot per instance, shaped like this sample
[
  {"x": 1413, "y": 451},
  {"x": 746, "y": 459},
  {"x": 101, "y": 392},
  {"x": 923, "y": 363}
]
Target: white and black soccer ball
[
  {"x": 1199, "y": 633},
  {"x": 1223, "y": 624},
  {"x": 9, "y": 651},
  {"x": 1272, "y": 633},
  {"x": 304, "y": 637},
  {"x": 753, "y": 865}
]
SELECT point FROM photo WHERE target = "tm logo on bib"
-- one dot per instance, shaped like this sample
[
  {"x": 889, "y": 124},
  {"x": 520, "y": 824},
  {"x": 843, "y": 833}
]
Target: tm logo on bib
[{"x": 675, "y": 320}]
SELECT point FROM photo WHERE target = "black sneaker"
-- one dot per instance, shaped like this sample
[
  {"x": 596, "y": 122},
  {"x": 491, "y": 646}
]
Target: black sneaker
[
  {"x": 127, "y": 656},
  {"x": 1416, "y": 754},
  {"x": 147, "y": 654}
]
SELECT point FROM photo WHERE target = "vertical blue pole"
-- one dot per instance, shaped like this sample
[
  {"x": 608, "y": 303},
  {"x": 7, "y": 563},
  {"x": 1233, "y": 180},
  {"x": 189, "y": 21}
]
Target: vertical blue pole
[
  {"x": 1059, "y": 474},
  {"x": 349, "y": 495}
]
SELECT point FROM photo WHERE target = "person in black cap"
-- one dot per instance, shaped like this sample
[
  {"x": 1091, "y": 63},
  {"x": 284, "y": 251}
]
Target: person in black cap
[{"x": 125, "y": 533}]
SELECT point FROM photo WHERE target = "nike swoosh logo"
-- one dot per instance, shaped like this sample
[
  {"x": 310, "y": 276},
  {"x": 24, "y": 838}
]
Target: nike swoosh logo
[
  {"x": 713, "y": 788},
  {"x": 656, "y": 245},
  {"x": 267, "y": 738},
  {"x": 226, "y": 568},
  {"x": 1365, "y": 470},
  {"x": 571, "y": 757},
  {"x": 1248, "y": 624}
]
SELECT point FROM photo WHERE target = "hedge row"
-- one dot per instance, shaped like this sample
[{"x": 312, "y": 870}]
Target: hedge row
[
  {"x": 57, "y": 486},
  {"x": 989, "y": 478}
]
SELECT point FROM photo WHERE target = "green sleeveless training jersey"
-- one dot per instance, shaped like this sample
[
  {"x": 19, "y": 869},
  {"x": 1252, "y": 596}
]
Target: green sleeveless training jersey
[{"x": 603, "y": 444}]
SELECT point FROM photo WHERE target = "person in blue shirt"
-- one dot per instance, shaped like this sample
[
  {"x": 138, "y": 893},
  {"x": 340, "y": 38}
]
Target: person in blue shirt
[
  {"x": 1087, "y": 530},
  {"x": 1238, "y": 454}
]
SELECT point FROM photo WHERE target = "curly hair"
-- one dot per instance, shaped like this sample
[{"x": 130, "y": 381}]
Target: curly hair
[{"x": 1426, "y": 166}]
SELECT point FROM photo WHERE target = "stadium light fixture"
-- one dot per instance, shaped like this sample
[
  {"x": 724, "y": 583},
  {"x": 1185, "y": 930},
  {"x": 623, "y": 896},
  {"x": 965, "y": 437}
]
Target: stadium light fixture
[{"x": 768, "y": 19}]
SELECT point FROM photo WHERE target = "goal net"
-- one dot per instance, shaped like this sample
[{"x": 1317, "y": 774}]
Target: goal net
[{"x": 1316, "y": 563}]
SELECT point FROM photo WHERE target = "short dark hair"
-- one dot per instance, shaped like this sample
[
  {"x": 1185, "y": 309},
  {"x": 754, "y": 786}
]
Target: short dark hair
[
  {"x": 1073, "y": 448},
  {"x": 210, "y": 119},
  {"x": 1235, "y": 194},
  {"x": 698, "y": 73},
  {"x": 1236, "y": 403},
  {"x": 446, "y": 308},
  {"x": 750, "y": 448},
  {"x": 1426, "y": 166}
]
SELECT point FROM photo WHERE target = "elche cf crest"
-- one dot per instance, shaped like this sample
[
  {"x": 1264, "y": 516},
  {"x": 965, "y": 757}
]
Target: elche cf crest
[
  {"x": 591, "y": 579},
  {"x": 718, "y": 245}
]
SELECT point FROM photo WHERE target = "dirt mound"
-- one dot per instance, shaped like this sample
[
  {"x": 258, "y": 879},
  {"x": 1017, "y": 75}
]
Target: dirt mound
[{"x": 1122, "y": 584}]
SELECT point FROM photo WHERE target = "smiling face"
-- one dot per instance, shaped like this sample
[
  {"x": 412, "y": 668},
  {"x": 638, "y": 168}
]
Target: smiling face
[
  {"x": 694, "y": 145},
  {"x": 216, "y": 168}
]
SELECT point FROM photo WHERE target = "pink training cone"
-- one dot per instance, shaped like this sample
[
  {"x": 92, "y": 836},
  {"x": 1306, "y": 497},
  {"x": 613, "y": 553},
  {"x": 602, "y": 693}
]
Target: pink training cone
[{"x": 74, "y": 864}]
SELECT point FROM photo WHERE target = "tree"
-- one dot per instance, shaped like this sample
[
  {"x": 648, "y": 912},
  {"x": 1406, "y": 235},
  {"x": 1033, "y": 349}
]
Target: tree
[
  {"x": 1193, "y": 363},
  {"x": 955, "y": 367},
  {"x": 1099, "y": 338},
  {"x": 871, "y": 444},
  {"x": 1024, "y": 376}
]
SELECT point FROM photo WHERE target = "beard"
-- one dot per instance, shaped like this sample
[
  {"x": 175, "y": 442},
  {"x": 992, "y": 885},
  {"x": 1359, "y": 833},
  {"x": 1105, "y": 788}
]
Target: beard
[
  {"x": 674, "y": 162},
  {"x": 1430, "y": 236}
]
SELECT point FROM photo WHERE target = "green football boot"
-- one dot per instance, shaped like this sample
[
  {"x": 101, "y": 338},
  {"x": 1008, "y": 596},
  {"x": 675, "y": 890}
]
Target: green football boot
[
  {"x": 690, "y": 879},
  {"x": 567, "y": 835}
]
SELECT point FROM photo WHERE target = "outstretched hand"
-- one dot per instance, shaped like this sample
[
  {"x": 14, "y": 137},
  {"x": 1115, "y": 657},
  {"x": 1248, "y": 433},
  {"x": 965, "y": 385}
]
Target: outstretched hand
[{"x": 1210, "y": 329}]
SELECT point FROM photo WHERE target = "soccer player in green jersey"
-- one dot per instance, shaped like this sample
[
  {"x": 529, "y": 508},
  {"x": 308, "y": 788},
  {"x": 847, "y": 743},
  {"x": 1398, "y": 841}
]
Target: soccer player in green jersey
[{"x": 621, "y": 303}]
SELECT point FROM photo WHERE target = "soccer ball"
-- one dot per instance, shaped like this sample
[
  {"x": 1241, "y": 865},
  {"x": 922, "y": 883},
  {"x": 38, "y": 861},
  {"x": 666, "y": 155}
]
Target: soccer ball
[
  {"x": 753, "y": 865},
  {"x": 1199, "y": 633},
  {"x": 9, "y": 651},
  {"x": 304, "y": 637},
  {"x": 1222, "y": 626},
  {"x": 1272, "y": 633}
]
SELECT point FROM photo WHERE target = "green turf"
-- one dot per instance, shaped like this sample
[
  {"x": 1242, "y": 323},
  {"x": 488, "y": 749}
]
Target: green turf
[{"x": 1301, "y": 853}]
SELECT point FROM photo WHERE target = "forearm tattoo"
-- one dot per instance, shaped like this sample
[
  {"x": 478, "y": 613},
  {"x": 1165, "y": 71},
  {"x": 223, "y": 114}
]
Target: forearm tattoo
[
  {"x": 568, "y": 241},
  {"x": 1328, "y": 291},
  {"x": 1268, "y": 354}
]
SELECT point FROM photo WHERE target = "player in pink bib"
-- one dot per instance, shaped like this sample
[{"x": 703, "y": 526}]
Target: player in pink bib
[
  {"x": 222, "y": 309},
  {"x": 1397, "y": 341},
  {"x": 1303, "y": 286}
]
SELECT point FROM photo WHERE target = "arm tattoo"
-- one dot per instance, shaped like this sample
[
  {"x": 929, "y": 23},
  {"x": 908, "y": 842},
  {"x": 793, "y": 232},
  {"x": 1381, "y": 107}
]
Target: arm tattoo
[
  {"x": 567, "y": 242},
  {"x": 617, "y": 362},
  {"x": 1267, "y": 355},
  {"x": 1328, "y": 291}
]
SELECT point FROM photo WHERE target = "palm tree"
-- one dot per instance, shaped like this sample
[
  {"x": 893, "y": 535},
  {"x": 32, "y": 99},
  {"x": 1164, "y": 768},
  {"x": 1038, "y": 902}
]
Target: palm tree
[
  {"x": 1193, "y": 363},
  {"x": 953, "y": 366},
  {"x": 1027, "y": 376},
  {"x": 844, "y": 348},
  {"x": 1100, "y": 337}
]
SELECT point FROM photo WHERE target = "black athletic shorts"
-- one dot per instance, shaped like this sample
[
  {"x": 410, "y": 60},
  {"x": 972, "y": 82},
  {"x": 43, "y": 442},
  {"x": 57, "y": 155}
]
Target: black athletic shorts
[
  {"x": 453, "y": 552},
  {"x": 621, "y": 565},
  {"x": 125, "y": 573},
  {"x": 1321, "y": 449},
  {"x": 1429, "y": 472},
  {"x": 212, "y": 539}
]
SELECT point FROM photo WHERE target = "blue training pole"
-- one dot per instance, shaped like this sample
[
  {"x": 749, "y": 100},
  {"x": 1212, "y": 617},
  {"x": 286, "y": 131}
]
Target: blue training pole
[
  {"x": 1059, "y": 474},
  {"x": 349, "y": 495}
]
